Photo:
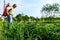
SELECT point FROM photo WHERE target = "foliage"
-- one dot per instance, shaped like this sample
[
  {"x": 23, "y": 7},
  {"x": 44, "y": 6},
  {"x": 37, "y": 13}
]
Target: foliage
[
  {"x": 48, "y": 9},
  {"x": 31, "y": 31},
  {"x": 34, "y": 29}
]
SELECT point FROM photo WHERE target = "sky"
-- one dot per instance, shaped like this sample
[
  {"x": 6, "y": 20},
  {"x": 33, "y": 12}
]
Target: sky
[{"x": 28, "y": 7}]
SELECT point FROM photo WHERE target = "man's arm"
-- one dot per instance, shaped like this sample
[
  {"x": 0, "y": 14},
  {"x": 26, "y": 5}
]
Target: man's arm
[{"x": 9, "y": 10}]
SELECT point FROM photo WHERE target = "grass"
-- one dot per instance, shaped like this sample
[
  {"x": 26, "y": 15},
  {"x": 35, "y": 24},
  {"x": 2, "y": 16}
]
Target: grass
[{"x": 30, "y": 31}]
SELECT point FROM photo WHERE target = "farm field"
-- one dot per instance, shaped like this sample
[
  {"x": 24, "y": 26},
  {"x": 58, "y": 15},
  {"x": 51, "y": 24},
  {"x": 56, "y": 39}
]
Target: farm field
[{"x": 30, "y": 30}]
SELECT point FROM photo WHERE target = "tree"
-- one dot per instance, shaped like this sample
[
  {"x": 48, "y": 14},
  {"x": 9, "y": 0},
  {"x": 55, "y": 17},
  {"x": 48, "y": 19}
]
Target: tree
[
  {"x": 19, "y": 17},
  {"x": 31, "y": 18},
  {"x": 25, "y": 18},
  {"x": 48, "y": 9}
]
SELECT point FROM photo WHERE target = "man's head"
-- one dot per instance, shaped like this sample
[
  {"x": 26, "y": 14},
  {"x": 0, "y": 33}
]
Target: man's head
[{"x": 14, "y": 5}]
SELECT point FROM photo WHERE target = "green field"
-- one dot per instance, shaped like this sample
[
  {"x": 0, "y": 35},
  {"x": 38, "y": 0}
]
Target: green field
[{"x": 31, "y": 30}]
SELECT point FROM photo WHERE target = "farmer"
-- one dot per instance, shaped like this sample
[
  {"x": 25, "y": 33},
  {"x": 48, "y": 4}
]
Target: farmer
[
  {"x": 5, "y": 12},
  {"x": 10, "y": 13}
]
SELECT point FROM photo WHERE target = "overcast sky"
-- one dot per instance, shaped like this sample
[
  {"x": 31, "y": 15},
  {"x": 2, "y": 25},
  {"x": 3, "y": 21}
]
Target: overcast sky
[{"x": 28, "y": 7}]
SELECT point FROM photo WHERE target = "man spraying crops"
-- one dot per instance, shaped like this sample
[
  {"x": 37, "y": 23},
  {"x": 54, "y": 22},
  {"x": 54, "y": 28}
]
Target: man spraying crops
[{"x": 10, "y": 13}]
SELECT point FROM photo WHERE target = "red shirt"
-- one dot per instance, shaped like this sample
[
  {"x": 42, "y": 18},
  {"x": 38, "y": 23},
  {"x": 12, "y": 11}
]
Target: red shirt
[{"x": 5, "y": 11}]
